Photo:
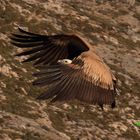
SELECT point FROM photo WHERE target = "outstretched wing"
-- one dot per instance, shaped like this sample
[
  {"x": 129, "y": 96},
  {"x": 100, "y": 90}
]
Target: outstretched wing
[
  {"x": 87, "y": 79},
  {"x": 45, "y": 49}
]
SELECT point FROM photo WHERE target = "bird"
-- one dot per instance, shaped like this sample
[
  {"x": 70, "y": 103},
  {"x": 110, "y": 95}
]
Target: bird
[{"x": 69, "y": 66}]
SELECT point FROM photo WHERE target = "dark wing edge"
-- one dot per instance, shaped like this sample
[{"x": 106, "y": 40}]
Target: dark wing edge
[
  {"x": 45, "y": 49},
  {"x": 69, "y": 82}
]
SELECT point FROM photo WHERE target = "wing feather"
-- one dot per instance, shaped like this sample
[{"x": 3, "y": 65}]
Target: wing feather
[
  {"x": 31, "y": 51},
  {"x": 87, "y": 78},
  {"x": 64, "y": 46},
  {"x": 76, "y": 82}
]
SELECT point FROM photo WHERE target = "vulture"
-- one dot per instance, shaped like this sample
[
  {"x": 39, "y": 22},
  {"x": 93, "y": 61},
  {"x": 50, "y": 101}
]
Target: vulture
[{"x": 69, "y": 66}]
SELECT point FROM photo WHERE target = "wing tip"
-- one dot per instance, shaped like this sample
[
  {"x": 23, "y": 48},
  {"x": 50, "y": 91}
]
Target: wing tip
[
  {"x": 21, "y": 30},
  {"x": 26, "y": 60},
  {"x": 17, "y": 55},
  {"x": 38, "y": 97},
  {"x": 113, "y": 105},
  {"x": 42, "y": 96}
]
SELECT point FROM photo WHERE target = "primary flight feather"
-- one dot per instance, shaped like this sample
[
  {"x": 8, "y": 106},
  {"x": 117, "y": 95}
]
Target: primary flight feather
[{"x": 70, "y": 66}]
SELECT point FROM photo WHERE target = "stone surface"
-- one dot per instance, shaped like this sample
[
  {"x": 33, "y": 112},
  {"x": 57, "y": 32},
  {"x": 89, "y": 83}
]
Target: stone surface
[{"x": 113, "y": 28}]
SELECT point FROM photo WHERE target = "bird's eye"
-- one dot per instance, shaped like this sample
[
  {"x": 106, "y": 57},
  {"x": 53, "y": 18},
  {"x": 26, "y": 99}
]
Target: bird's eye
[{"x": 66, "y": 61}]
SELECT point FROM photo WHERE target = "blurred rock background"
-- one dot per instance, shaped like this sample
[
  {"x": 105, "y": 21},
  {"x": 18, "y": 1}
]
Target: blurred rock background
[{"x": 113, "y": 27}]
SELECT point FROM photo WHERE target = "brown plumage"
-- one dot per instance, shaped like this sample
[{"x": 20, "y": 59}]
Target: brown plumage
[{"x": 70, "y": 65}]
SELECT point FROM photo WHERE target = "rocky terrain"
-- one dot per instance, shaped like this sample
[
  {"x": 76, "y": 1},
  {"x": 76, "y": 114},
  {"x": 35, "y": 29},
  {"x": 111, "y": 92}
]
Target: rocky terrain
[{"x": 113, "y": 27}]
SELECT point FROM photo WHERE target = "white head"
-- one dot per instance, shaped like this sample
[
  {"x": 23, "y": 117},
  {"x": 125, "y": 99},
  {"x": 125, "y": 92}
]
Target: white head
[{"x": 65, "y": 61}]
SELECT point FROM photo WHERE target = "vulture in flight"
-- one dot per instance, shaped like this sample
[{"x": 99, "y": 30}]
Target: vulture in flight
[{"x": 69, "y": 65}]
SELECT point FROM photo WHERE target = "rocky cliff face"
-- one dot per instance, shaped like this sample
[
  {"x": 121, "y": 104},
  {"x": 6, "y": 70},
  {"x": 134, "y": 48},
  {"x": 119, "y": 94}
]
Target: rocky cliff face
[{"x": 113, "y": 28}]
